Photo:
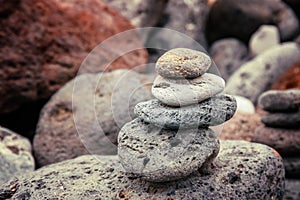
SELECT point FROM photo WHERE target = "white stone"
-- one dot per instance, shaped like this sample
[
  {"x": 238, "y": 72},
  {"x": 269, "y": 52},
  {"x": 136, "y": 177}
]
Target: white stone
[
  {"x": 264, "y": 38},
  {"x": 183, "y": 92},
  {"x": 244, "y": 105}
]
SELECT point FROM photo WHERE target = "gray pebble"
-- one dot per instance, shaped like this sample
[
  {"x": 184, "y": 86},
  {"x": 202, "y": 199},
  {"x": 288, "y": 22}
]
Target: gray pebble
[
  {"x": 210, "y": 112},
  {"x": 278, "y": 100},
  {"x": 183, "y": 63},
  {"x": 283, "y": 120},
  {"x": 159, "y": 155},
  {"x": 182, "y": 92}
]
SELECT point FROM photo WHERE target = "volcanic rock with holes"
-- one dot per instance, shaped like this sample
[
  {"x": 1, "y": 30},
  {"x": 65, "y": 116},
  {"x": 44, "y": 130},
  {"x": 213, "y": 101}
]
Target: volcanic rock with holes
[
  {"x": 170, "y": 139},
  {"x": 281, "y": 127}
]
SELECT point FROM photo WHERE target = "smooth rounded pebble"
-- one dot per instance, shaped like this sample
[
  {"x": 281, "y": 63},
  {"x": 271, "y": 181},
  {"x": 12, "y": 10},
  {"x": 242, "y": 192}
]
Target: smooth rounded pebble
[
  {"x": 285, "y": 141},
  {"x": 182, "y": 92},
  {"x": 15, "y": 155},
  {"x": 257, "y": 75},
  {"x": 244, "y": 105},
  {"x": 210, "y": 112},
  {"x": 241, "y": 171},
  {"x": 278, "y": 100},
  {"x": 283, "y": 120},
  {"x": 160, "y": 155},
  {"x": 183, "y": 63}
]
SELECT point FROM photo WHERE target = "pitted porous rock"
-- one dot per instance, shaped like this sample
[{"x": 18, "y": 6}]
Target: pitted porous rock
[
  {"x": 159, "y": 155},
  {"x": 210, "y": 112}
]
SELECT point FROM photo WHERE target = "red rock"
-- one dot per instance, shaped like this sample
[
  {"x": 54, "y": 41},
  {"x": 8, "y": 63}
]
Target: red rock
[
  {"x": 240, "y": 127},
  {"x": 290, "y": 79},
  {"x": 43, "y": 43}
]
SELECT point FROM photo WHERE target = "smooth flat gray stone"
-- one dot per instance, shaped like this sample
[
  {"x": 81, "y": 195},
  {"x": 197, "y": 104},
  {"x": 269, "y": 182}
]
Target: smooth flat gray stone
[
  {"x": 282, "y": 120},
  {"x": 278, "y": 100},
  {"x": 182, "y": 63},
  {"x": 160, "y": 155},
  {"x": 241, "y": 171},
  {"x": 183, "y": 92},
  {"x": 210, "y": 112}
]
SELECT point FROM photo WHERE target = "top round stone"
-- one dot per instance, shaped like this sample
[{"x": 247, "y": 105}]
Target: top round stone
[{"x": 182, "y": 63}]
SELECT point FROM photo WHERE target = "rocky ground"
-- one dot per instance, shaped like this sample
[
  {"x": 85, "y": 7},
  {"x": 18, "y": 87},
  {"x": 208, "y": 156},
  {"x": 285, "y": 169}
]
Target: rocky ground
[{"x": 58, "y": 106}]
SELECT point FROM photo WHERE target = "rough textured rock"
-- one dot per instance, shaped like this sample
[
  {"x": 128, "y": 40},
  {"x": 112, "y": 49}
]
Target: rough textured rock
[
  {"x": 183, "y": 92},
  {"x": 244, "y": 105},
  {"x": 39, "y": 54},
  {"x": 228, "y": 54},
  {"x": 182, "y": 63},
  {"x": 240, "y": 127},
  {"x": 160, "y": 155},
  {"x": 266, "y": 37},
  {"x": 268, "y": 67},
  {"x": 289, "y": 79},
  {"x": 141, "y": 13},
  {"x": 285, "y": 141},
  {"x": 292, "y": 189},
  {"x": 276, "y": 100},
  {"x": 87, "y": 114},
  {"x": 292, "y": 167},
  {"x": 247, "y": 17},
  {"x": 241, "y": 171},
  {"x": 15, "y": 155},
  {"x": 283, "y": 120},
  {"x": 210, "y": 112}
]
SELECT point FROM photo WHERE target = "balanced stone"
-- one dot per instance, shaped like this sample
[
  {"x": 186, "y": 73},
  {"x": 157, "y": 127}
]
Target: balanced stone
[
  {"x": 276, "y": 100},
  {"x": 183, "y": 63},
  {"x": 284, "y": 120},
  {"x": 213, "y": 111},
  {"x": 159, "y": 155},
  {"x": 182, "y": 92}
]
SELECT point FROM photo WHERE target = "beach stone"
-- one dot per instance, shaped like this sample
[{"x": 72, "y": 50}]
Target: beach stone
[
  {"x": 15, "y": 155},
  {"x": 285, "y": 141},
  {"x": 283, "y": 120},
  {"x": 240, "y": 127},
  {"x": 292, "y": 167},
  {"x": 268, "y": 67},
  {"x": 182, "y": 63},
  {"x": 247, "y": 17},
  {"x": 228, "y": 54},
  {"x": 210, "y": 112},
  {"x": 277, "y": 100},
  {"x": 242, "y": 170},
  {"x": 160, "y": 155},
  {"x": 292, "y": 191},
  {"x": 141, "y": 13},
  {"x": 86, "y": 115},
  {"x": 264, "y": 38},
  {"x": 39, "y": 54},
  {"x": 244, "y": 105},
  {"x": 183, "y": 92}
]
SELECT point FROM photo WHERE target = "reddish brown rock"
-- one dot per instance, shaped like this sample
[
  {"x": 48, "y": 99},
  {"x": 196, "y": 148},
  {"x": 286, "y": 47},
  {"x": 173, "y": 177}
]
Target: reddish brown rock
[
  {"x": 285, "y": 141},
  {"x": 241, "y": 127},
  {"x": 290, "y": 79},
  {"x": 43, "y": 43}
]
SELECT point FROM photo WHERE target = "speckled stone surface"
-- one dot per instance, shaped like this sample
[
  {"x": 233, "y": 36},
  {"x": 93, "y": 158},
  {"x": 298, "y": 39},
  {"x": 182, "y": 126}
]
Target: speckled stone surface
[
  {"x": 292, "y": 191},
  {"x": 182, "y": 63},
  {"x": 278, "y": 100},
  {"x": 242, "y": 170},
  {"x": 285, "y": 141},
  {"x": 210, "y": 112},
  {"x": 159, "y": 155},
  {"x": 15, "y": 155},
  {"x": 183, "y": 92},
  {"x": 283, "y": 120}
]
